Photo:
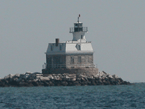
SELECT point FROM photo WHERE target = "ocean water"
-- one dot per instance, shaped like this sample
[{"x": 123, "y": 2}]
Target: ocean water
[{"x": 74, "y": 97}]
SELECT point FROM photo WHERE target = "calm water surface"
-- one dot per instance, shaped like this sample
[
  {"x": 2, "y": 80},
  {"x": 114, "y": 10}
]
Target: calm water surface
[{"x": 74, "y": 97}]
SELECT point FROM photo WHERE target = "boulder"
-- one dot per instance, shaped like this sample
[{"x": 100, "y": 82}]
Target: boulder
[
  {"x": 43, "y": 78},
  {"x": 115, "y": 76},
  {"x": 8, "y": 76}
]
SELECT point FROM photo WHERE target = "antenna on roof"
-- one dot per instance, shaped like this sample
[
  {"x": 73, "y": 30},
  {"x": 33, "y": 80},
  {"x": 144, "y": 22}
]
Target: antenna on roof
[{"x": 78, "y": 18}]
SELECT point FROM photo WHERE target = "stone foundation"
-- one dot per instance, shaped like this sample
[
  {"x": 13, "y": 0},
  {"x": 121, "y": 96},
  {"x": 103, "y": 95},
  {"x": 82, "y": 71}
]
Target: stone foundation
[{"x": 88, "y": 71}]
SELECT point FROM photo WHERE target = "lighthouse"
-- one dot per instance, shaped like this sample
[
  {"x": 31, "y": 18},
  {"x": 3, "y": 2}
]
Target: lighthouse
[
  {"x": 78, "y": 31},
  {"x": 69, "y": 56}
]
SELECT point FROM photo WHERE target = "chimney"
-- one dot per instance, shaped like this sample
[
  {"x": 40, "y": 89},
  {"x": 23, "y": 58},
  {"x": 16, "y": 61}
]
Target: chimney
[{"x": 56, "y": 41}]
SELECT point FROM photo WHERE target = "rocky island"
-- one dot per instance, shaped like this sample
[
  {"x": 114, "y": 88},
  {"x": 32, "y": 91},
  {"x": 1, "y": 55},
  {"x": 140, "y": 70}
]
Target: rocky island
[
  {"x": 29, "y": 79},
  {"x": 68, "y": 63}
]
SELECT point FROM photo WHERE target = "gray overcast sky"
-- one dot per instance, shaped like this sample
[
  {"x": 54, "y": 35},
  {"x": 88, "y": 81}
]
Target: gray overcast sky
[{"x": 116, "y": 29}]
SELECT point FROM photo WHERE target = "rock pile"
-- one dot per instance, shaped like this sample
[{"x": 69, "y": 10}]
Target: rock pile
[{"x": 38, "y": 79}]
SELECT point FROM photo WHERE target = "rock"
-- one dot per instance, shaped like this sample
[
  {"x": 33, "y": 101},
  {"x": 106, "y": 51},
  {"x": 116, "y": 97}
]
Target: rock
[
  {"x": 28, "y": 72},
  {"x": 8, "y": 76},
  {"x": 37, "y": 79},
  {"x": 23, "y": 76},
  {"x": 114, "y": 76},
  {"x": 35, "y": 83},
  {"x": 43, "y": 78},
  {"x": 36, "y": 73}
]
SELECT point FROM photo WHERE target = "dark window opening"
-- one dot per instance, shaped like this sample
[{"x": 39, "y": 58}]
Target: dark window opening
[
  {"x": 60, "y": 47},
  {"x": 79, "y": 47},
  {"x": 51, "y": 48},
  {"x": 78, "y": 29},
  {"x": 72, "y": 60},
  {"x": 81, "y": 36},
  {"x": 79, "y": 59}
]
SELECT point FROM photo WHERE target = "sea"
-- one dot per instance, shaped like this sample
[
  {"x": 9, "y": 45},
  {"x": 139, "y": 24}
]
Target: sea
[{"x": 74, "y": 97}]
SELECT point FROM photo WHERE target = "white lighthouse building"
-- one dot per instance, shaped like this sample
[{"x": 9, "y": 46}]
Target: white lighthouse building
[{"x": 73, "y": 54}]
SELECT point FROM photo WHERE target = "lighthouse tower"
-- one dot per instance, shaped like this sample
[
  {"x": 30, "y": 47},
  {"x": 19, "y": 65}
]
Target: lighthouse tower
[
  {"x": 72, "y": 54},
  {"x": 79, "y": 31}
]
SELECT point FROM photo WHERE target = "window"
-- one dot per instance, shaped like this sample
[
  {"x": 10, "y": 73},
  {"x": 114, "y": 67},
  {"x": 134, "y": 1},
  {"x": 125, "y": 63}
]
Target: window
[
  {"x": 81, "y": 36},
  {"x": 90, "y": 59},
  {"x": 60, "y": 47},
  {"x": 80, "y": 29},
  {"x": 80, "y": 24},
  {"x": 51, "y": 62},
  {"x": 51, "y": 48},
  {"x": 79, "y": 47},
  {"x": 76, "y": 24},
  {"x": 72, "y": 60},
  {"x": 61, "y": 60},
  {"x": 79, "y": 59}
]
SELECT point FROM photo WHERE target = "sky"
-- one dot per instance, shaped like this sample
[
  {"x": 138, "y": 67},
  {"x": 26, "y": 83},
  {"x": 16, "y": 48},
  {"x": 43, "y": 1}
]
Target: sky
[{"x": 115, "y": 27}]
